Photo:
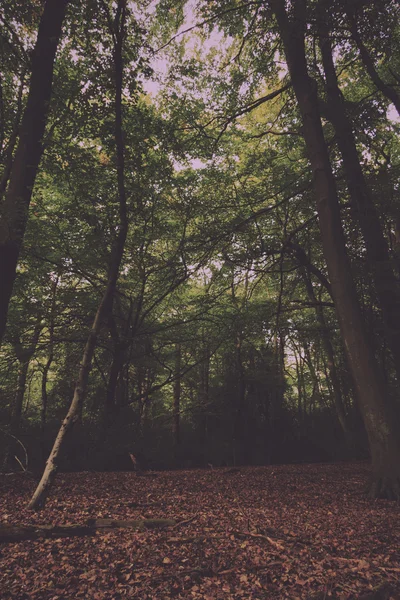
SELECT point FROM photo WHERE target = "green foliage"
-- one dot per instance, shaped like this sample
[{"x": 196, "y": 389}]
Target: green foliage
[{"x": 221, "y": 224}]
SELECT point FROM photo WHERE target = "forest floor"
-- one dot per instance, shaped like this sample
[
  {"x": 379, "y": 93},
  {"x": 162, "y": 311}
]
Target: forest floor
[{"x": 288, "y": 531}]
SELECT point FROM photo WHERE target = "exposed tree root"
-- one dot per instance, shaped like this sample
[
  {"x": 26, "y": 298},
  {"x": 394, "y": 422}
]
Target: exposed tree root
[{"x": 18, "y": 533}]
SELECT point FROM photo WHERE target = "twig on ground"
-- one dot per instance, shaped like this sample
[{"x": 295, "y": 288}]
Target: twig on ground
[
  {"x": 186, "y": 521},
  {"x": 20, "y": 463},
  {"x": 273, "y": 543}
]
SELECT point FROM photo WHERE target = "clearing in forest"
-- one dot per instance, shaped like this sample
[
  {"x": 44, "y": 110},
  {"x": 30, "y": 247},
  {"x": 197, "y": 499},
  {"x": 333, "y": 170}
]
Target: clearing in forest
[{"x": 288, "y": 531}]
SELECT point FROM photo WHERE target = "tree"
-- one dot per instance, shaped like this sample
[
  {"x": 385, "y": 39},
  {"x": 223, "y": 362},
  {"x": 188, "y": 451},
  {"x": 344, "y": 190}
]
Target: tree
[
  {"x": 378, "y": 257},
  {"x": 118, "y": 33},
  {"x": 371, "y": 393},
  {"x": 14, "y": 209},
  {"x": 388, "y": 89},
  {"x": 173, "y": 240}
]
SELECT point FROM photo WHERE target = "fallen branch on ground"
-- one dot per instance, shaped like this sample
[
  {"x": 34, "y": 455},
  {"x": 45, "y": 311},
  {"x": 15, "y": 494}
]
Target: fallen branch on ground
[
  {"x": 186, "y": 521},
  {"x": 17, "y": 533}
]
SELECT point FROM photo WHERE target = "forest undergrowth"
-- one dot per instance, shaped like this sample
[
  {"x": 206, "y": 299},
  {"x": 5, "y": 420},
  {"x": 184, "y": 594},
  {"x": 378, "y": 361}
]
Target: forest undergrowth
[{"x": 289, "y": 531}]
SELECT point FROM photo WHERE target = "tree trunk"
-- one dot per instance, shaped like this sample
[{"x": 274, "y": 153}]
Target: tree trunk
[
  {"x": 105, "y": 307},
  {"x": 24, "y": 356},
  {"x": 240, "y": 418},
  {"x": 177, "y": 405},
  {"x": 50, "y": 358},
  {"x": 313, "y": 375},
  {"x": 299, "y": 392},
  {"x": 371, "y": 392},
  {"x": 378, "y": 258},
  {"x": 386, "y": 89},
  {"x": 110, "y": 403},
  {"x": 17, "y": 413},
  {"x": 14, "y": 210},
  {"x": 203, "y": 394},
  {"x": 8, "y": 152}
]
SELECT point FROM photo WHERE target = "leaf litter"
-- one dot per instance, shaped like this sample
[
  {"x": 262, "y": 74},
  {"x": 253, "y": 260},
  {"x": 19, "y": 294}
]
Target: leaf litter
[{"x": 288, "y": 531}]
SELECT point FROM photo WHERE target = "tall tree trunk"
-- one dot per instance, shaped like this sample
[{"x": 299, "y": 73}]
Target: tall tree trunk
[
  {"x": 371, "y": 392},
  {"x": 14, "y": 210},
  {"x": 105, "y": 306},
  {"x": 177, "y": 406},
  {"x": 378, "y": 258}
]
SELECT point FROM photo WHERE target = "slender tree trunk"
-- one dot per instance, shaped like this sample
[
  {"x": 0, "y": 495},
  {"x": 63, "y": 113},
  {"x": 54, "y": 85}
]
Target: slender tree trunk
[
  {"x": 147, "y": 382},
  {"x": 313, "y": 374},
  {"x": 17, "y": 414},
  {"x": 50, "y": 358},
  {"x": 24, "y": 356},
  {"x": 7, "y": 155},
  {"x": 203, "y": 394},
  {"x": 328, "y": 348},
  {"x": 177, "y": 405},
  {"x": 386, "y": 89},
  {"x": 19, "y": 397},
  {"x": 371, "y": 392},
  {"x": 305, "y": 261},
  {"x": 299, "y": 393},
  {"x": 378, "y": 258},
  {"x": 14, "y": 210},
  {"x": 110, "y": 404},
  {"x": 303, "y": 385},
  {"x": 44, "y": 403},
  {"x": 105, "y": 307},
  {"x": 240, "y": 422}
]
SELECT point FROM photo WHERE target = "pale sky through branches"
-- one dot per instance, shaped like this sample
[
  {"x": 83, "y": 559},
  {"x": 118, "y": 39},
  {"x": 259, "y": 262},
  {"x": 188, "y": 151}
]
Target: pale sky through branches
[{"x": 160, "y": 62}]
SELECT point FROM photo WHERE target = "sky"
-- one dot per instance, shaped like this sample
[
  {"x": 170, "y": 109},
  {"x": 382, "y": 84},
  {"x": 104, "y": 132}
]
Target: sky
[{"x": 160, "y": 61}]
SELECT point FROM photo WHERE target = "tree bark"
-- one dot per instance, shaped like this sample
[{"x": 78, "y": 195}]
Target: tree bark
[
  {"x": 378, "y": 257},
  {"x": 105, "y": 306},
  {"x": 14, "y": 210},
  {"x": 371, "y": 392}
]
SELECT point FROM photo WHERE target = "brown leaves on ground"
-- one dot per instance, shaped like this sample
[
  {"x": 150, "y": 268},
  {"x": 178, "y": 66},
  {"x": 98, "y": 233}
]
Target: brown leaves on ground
[{"x": 294, "y": 531}]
